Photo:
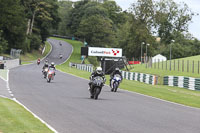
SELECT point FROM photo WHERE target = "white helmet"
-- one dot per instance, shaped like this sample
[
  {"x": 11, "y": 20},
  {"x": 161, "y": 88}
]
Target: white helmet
[
  {"x": 52, "y": 64},
  {"x": 99, "y": 70}
]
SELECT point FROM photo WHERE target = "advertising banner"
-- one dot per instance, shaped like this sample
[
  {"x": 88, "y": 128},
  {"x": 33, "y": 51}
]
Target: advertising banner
[{"x": 108, "y": 52}]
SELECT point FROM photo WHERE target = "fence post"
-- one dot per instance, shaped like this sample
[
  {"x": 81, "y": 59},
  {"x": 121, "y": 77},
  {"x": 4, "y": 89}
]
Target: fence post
[
  {"x": 170, "y": 67},
  {"x": 174, "y": 65},
  {"x": 166, "y": 65},
  {"x": 182, "y": 65},
  {"x": 193, "y": 66},
  {"x": 162, "y": 64},
  {"x": 198, "y": 67},
  {"x": 187, "y": 65},
  {"x": 158, "y": 63},
  {"x": 178, "y": 65}
]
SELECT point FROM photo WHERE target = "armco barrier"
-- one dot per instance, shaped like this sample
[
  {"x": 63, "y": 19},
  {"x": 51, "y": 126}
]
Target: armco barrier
[
  {"x": 84, "y": 67},
  {"x": 141, "y": 77},
  {"x": 182, "y": 82}
]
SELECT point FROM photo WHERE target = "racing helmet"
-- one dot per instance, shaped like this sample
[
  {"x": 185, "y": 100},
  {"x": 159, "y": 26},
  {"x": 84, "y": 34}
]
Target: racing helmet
[
  {"x": 99, "y": 70},
  {"x": 52, "y": 63},
  {"x": 116, "y": 69}
]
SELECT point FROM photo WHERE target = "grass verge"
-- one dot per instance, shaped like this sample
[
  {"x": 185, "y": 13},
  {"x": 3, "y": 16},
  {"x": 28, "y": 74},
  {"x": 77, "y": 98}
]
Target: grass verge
[
  {"x": 3, "y": 74},
  {"x": 15, "y": 119},
  {"x": 34, "y": 55},
  {"x": 173, "y": 94},
  {"x": 179, "y": 67}
]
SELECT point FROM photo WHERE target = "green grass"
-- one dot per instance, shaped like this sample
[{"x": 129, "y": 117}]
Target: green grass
[
  {"x": 75, "y": 57},
  {"x": 177, "y": 72},
  {"x": 173, "y": 94},
  {"x": 34, "y": 55},
  {"x": 3, "y": 74},
  {"x": 15, "y": 119}
]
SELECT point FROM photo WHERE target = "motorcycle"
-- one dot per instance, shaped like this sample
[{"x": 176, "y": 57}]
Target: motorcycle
[
  {"x": 115, "y": 82},
  {"x": 61, "y": 56},
  {"x": 38, "y": 62},
  {"x": 50, "y": 74},
  {"x": 96, "y": 87},
  {"x": 45, "y": 70}
]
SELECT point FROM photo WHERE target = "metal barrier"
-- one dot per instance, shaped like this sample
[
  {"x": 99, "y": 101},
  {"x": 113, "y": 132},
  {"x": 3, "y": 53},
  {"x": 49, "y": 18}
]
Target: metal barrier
[
  {"x": 141, "y": 77},
  {"x": 84, "y": 67},
  {"x": 182, "y": 82}
]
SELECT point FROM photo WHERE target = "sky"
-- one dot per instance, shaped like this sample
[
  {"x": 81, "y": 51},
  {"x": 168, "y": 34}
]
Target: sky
[{"x": 194, "y": 5}]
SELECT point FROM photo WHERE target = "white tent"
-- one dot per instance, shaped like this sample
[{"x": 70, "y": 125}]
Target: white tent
[{"x": 158, "y": 58}]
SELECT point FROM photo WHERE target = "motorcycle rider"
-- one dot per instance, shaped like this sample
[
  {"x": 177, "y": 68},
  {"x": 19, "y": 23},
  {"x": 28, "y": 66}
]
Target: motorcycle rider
[
  {"x": 97, "y": 72},
  {"x": 116, "y": 71},
  {"x": 53, "y": 66},
  {"x": 38, "y": 61},
  {"x": 60, "y": 43},
  {"x": 60, "y": 55},
  {"x": 46, "y": 65}
]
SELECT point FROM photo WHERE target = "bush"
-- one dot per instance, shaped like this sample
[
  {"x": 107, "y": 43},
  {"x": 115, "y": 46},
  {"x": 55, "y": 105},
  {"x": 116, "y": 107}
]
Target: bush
[
  {"x": 93, "y": 60},
  {"x": 34, "y": 42}
]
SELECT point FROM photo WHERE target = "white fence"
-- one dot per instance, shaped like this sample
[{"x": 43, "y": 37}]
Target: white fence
[
  {"x": 84, "y": 67},
  {"x": 8, "y": 64}
]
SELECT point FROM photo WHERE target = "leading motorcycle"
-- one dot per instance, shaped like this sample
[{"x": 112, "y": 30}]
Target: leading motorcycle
[
  {"x": 96, "y": 86},
  {"x": 115, "y": 82},
  {"x": 50, "y": 74}
]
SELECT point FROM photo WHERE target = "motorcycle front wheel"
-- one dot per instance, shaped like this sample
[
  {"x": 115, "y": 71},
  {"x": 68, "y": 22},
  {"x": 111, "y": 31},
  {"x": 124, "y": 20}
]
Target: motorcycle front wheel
[{"x": 97, "y": 92}]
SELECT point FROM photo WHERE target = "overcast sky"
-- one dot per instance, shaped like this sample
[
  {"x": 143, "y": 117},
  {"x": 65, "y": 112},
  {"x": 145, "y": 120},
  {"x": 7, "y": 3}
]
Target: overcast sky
[{"x": 194, "y": 27}]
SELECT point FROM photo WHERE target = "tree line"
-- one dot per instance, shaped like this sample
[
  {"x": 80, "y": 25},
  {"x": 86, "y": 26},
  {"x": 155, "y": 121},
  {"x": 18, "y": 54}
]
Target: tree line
[
  {"x": 146, "y": 22},
  {"x": 25, "y": 24}
]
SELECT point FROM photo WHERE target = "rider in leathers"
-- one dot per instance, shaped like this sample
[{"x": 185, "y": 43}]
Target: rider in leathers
[
  {"x": 97, "y": 72},
  {"x": 116, "y": 71}
]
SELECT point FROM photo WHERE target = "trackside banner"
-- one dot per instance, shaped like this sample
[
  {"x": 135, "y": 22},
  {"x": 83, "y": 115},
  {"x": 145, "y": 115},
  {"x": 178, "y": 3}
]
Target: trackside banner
[{"x": 109, "y": 52}]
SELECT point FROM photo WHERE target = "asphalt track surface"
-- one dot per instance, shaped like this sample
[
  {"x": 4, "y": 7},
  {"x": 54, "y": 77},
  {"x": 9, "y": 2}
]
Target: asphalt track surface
[{"x": 65, "y": 104}]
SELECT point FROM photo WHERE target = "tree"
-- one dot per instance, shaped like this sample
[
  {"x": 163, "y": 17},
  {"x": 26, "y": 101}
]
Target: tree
[
  {"x": 12, "y": 23},
  {"x": 96, "y": 30},
  {"x": 171, "y": 18},
  {"x": 3, "y": 43}
]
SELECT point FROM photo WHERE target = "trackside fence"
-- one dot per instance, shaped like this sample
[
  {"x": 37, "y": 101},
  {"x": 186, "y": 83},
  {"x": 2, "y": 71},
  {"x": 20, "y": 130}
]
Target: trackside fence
[
  {"x": 141, "y": 77},
  {"x": 84, "y": 67},
  {"x": 182, "y": 82}
]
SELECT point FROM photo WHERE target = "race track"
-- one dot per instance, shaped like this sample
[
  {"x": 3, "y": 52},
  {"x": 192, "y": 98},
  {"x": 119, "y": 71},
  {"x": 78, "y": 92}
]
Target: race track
[{"x": 65, "y": 105}]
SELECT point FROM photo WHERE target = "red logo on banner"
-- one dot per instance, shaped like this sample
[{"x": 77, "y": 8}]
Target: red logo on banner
[{"x": 115, "y": 52}]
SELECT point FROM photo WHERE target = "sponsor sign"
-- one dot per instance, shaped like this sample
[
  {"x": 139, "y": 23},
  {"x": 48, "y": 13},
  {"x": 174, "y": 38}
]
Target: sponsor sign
[{"x": 109, "y": 52}]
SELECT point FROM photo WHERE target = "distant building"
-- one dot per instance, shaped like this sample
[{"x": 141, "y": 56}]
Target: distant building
[{"x": 158, "y": 58}]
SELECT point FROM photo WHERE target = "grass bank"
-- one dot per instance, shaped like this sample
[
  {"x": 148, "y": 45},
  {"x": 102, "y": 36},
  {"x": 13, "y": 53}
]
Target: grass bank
[
  {"x": 15, "y": 119},
  {"x": 179, "y": 67},
  {"x": 34, "y": 55},
  {"x": 173, "y": 94}
]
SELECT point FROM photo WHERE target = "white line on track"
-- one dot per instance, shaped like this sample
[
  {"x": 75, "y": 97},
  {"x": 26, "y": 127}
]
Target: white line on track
[
  {"x": 14, "y": 99},
  {"x": 50, "y": 127}
]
